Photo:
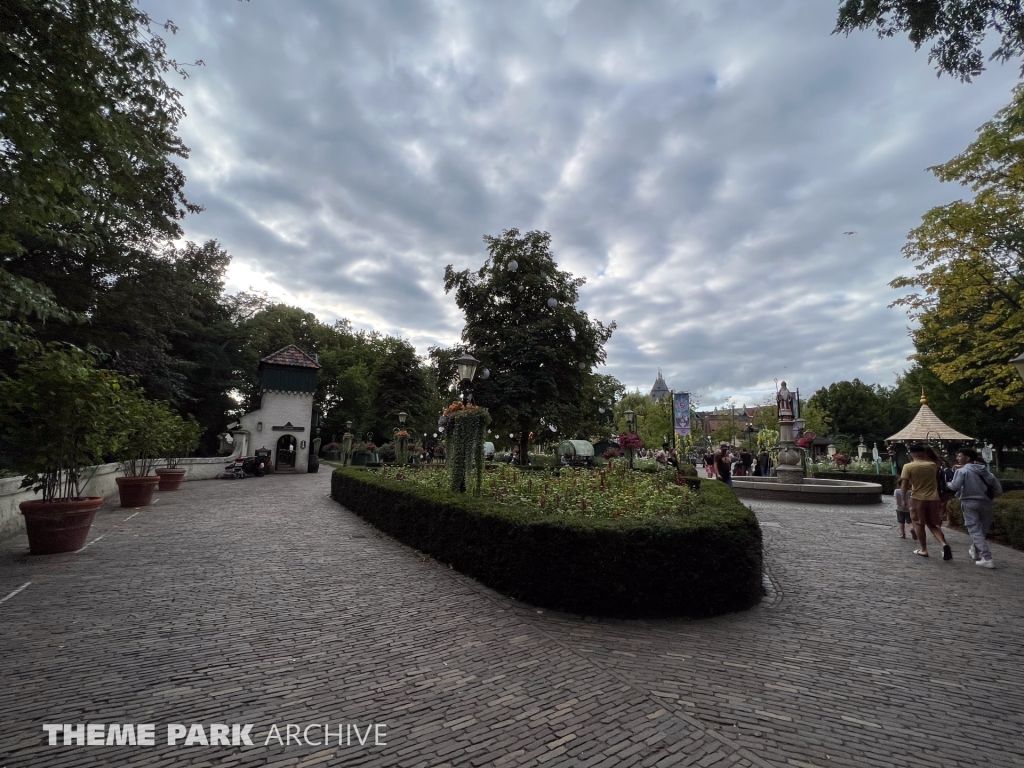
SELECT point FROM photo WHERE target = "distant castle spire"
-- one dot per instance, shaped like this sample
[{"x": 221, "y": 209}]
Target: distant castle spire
[{"x": 660, "y": 388}]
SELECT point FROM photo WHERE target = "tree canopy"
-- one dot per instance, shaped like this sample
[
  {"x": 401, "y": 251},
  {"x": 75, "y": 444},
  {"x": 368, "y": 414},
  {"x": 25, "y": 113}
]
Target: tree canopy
[
  {"x": 969, "y": 256},
  {"x": 524, "y": 327},
  {"x": 958, "y": 27}
]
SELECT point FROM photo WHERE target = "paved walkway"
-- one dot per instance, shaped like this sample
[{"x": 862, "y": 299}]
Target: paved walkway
[{"x": 262, "y": 602}]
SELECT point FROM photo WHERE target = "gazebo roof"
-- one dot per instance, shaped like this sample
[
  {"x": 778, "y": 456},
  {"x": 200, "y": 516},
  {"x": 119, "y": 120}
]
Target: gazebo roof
[{"x": 927, "y": 426}]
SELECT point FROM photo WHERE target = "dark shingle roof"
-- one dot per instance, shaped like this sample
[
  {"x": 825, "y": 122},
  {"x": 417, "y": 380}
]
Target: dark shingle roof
[{"x": 291, "y": 356}]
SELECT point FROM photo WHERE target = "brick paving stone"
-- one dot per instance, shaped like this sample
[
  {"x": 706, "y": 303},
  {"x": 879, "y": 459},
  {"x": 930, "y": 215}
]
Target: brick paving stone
[{"x": 265, "y": 602}]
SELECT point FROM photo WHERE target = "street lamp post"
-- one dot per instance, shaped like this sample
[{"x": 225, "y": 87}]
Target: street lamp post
[{"x": 467, "y": 365}]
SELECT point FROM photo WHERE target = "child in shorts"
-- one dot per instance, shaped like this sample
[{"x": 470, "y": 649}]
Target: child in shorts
[{"x": 903, "y": 512}]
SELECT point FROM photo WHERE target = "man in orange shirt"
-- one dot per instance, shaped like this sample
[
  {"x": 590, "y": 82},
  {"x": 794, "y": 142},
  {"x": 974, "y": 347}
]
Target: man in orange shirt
[{"x": 921, "y": 477}]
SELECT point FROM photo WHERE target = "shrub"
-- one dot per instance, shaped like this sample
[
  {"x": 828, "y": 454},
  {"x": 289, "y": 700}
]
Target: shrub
[
  {"x": 1008, "y": 522},
  {"x": 687, "y": 470},
  {"x": 704, "y": 564}
]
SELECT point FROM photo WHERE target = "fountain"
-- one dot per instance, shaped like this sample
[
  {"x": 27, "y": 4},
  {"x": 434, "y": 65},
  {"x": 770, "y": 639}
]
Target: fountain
[{"x": 789, "y": 483}]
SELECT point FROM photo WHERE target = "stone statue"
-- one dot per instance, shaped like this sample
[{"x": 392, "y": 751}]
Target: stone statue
[{"x": 784, "y": 399}]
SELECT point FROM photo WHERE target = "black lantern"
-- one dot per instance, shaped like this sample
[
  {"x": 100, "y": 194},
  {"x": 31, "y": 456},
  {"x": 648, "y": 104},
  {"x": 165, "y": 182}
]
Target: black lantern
[{"x": 467, "y": 370}]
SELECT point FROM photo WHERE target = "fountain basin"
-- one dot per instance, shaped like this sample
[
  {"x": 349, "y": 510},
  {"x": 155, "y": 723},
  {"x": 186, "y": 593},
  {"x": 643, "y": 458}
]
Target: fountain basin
[{"x": 811, "y": 490}]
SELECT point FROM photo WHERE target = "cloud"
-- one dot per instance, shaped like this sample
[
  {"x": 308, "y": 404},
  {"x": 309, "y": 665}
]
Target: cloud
[{"x": 697, "y": 162}]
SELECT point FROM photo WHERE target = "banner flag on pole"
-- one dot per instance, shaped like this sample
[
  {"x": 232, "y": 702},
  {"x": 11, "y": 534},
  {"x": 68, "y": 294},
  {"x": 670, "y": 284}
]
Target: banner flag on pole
[{"x": 681, "y": 413}]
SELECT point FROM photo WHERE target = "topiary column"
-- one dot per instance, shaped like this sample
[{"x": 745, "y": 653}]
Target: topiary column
[{"x": 464, "y": 445}]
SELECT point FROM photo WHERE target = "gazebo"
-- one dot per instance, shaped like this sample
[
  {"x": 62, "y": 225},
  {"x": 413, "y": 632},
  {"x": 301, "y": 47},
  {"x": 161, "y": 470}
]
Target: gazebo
[{"x": 927, "y": 427}]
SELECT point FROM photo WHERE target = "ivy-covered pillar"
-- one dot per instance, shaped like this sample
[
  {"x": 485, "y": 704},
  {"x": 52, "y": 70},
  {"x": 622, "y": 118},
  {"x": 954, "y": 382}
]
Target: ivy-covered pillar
[{"x": 464, "y": 445}]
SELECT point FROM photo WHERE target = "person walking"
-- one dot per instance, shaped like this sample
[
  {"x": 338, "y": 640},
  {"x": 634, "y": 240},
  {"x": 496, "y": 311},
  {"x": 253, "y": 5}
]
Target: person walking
[
  {"x": 976, "y": 487},
  {"x": 709, "y": 464},
  {"x": 920, "y": 476},
  {"x": 723, "y": 465}
]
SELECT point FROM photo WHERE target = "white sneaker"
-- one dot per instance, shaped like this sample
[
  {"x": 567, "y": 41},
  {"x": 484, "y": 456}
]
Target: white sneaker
[
  {"x": 985, "y": 563},
  {"x": 973, "y": 553}
]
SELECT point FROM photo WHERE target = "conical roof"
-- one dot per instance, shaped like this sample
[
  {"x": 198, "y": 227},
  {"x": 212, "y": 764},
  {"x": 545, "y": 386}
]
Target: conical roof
[
  {"x": 660, "y": 388},
  {"x": 927, "y": 426}
]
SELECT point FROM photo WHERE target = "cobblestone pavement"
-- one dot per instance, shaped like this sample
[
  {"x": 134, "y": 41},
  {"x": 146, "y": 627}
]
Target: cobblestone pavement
[{"x": 263, "y": 602}]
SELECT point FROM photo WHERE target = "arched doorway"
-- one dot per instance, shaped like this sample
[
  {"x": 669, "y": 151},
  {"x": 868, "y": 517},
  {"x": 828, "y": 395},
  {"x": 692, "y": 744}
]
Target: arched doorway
[{"x": 285, "y": 452}]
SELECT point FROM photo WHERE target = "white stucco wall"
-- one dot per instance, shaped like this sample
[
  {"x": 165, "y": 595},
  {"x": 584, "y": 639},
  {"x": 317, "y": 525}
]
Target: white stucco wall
[
  {"x": 101, "y": 484},
  {"x": 277, "y": 409}
]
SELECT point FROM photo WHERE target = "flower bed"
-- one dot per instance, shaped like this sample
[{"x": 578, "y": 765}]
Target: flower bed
[{"x": 696, "y": 556}]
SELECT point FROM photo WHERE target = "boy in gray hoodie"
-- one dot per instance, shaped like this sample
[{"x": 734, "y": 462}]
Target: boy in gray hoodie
[{"x": 975, "y": 486}]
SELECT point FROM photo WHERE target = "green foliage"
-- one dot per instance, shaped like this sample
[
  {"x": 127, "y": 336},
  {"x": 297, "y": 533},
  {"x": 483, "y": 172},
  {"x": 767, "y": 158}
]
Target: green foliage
[
  {"x": 767, "y": 416},
  {"x": 182, "y": 439},
  {"x": 584, "y": 419},
  {"x": 817, "y": 420},
  {"x": 701, "y": 564},
  {"x": 88, "y": 131},
  {"x": 145, "y": 431},
  {"x": 853, "y": 409},
  {"x": 768, "y": 440},
  {"x": 653, "y": 419},
  {"x": 22, "y": 301},
  {"x": 464, "y": 447},
  {"x": 615, "y": 492},
  {"x": 969, "y": 298},
  {"x": 538, "y": 356},
  {"x": 1007, "y": 523},
  {"x": 958, "y": 26},
  {"x": 60, "y": 417}
]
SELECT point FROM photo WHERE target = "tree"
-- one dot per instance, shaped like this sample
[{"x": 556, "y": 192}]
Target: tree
[
  {"x": 653, "y": 419},
  {"x": 22, "y": 302},
  {"x": 964, "y": 411},
  {"x": 853, "y": 409},
  {"x": 537, "y": 354},
  {"x": 399, "y": 384},
  {"x": 958, "y": 26},
  {"x": 969, "y": 258},
  {"x": 87, "y": 143},
  {"x": 593, "y": 417},
  {"x": 767, "y": 416},
  {"x": 817, "y": 421}
]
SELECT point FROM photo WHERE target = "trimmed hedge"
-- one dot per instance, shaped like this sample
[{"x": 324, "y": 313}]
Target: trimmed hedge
[
  {"x": 888, "y": 482},
  {"x": 1008, "y": 522},
  {"x": 702, "y": 565}
]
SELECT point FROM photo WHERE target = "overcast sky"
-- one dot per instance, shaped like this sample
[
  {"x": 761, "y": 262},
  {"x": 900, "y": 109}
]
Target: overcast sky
[{"x": 697, "y": 161}]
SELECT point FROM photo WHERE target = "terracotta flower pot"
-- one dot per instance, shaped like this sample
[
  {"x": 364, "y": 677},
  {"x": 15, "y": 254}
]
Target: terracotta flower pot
[
  {"x": 61, "y": 525},
  {"x": 136, "y": 491},
  {"x": 170, "y": 478}
]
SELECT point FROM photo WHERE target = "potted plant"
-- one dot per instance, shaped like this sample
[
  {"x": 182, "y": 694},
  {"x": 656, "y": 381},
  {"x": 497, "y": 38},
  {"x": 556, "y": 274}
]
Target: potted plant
[
  {"x": 182, "y": 439},
  {"x": 146, "y": 428},
  {"x": 57, "y": 421}
]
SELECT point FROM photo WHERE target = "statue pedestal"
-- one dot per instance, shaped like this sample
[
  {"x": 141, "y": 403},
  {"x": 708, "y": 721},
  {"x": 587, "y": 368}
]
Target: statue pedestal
[{"x": 788, "y": 469}]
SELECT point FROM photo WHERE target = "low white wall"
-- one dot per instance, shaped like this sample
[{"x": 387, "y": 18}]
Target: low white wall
[{"x": 102, "y": 484}]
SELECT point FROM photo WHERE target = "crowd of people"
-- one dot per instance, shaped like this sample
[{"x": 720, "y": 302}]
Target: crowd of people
[
  {"x": 926, "y": 486},
  {"x": 725, "y": 463}
]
